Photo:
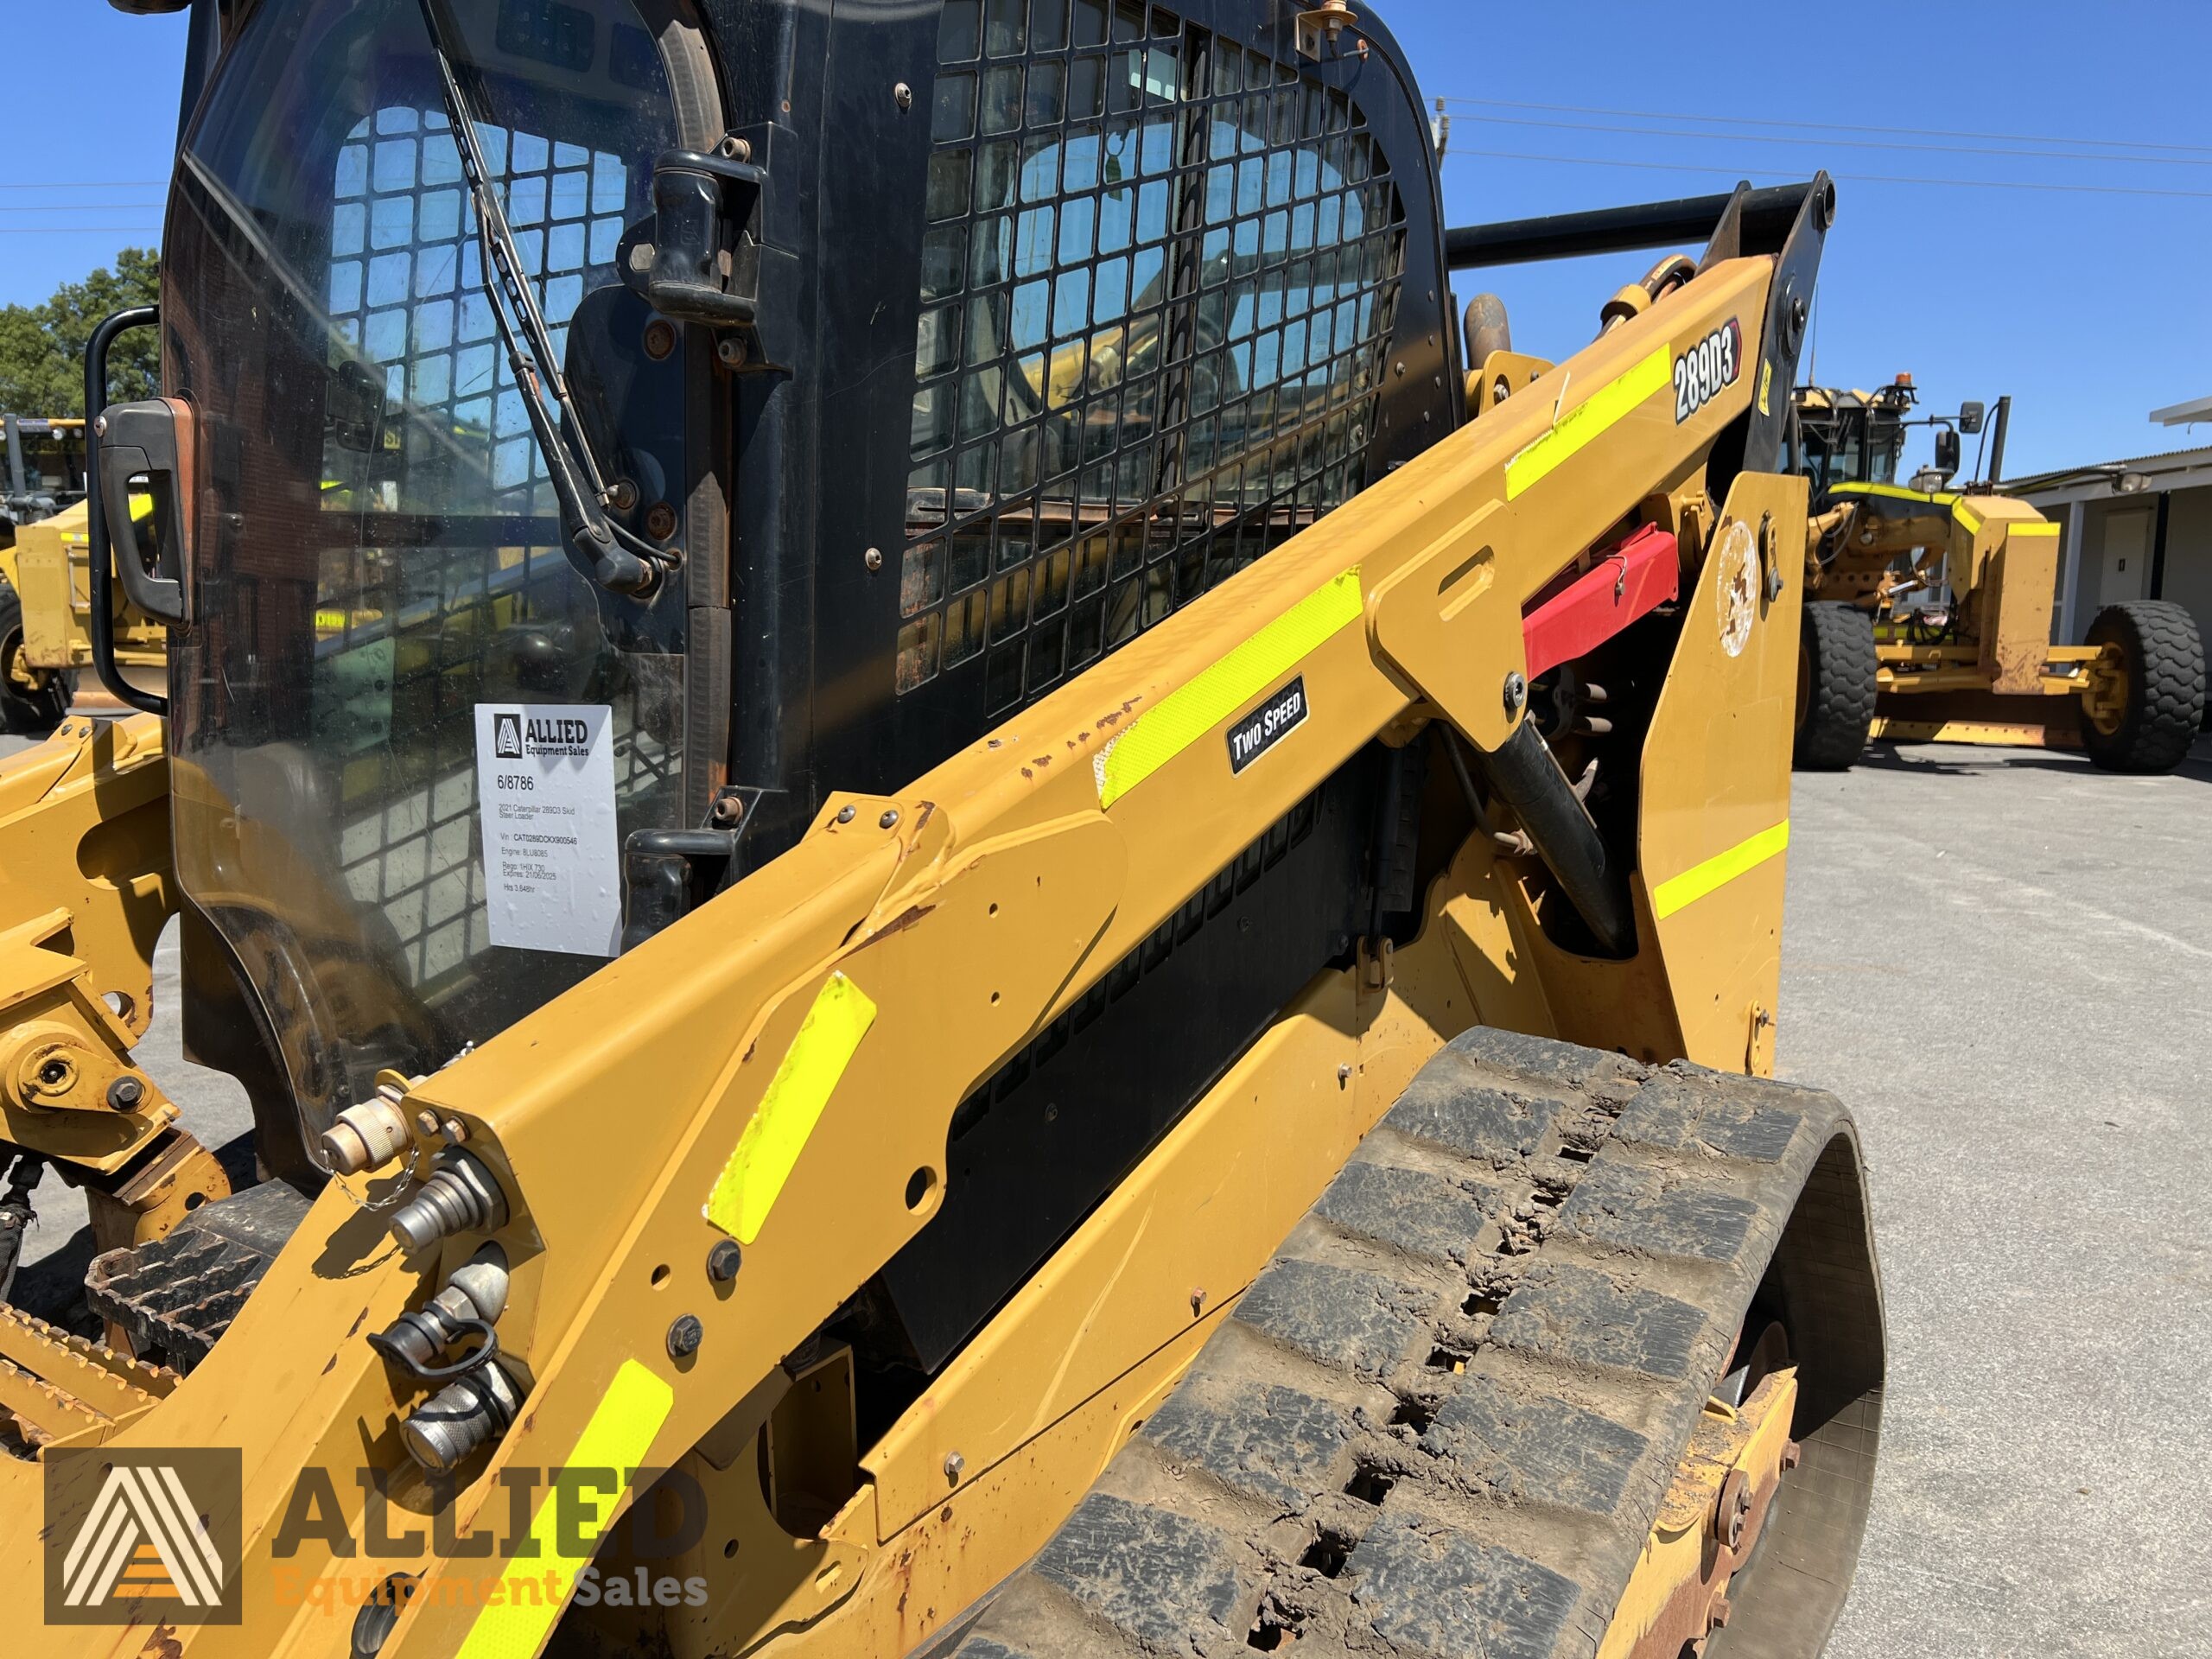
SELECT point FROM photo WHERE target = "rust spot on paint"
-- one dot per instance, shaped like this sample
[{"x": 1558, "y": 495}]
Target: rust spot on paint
[
  {"x": 162, "y": 1644},
  {"x": 898, "y": 923},
  {"x": 1026, "y": 773},
  {"x": 1042, "y": 760}
]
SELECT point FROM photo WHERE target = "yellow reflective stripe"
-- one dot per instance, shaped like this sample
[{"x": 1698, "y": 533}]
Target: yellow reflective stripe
[
  {"x": 1895, "y": 491},
  {"x": 1195, "y": 708},
  {"x": 1721, "y": 868},
  {"x": 769, "y": 1148},
  {"x": 1969, "y": 518},
  {"x": 2045, "y": 529},
  {"x": 1589, "y": 420},
  {"x": 619, "y": 1434}
]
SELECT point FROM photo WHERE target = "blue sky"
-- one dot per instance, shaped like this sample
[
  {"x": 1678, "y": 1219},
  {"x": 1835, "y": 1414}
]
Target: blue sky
[{"x": 2088, "y": 304}]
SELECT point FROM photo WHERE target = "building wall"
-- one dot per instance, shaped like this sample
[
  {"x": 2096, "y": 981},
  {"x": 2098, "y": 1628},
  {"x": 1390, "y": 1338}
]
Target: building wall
[
  {"x": 2189, "y": 555},
  {"x": 2117, "y": 538},
  {"x": 2123, "y": 528}
]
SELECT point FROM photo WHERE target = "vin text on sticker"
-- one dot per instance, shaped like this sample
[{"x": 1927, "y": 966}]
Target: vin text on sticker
[
  {"x": 1266, "y": 724},
  {"x": 1707, "y": 368}
]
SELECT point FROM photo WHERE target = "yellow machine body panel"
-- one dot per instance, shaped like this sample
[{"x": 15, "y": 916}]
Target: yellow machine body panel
[{"x": 778, "y": 1070}]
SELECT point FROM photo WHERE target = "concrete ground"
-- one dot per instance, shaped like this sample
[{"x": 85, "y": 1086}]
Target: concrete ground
[{"x": 2003, "y": 961}]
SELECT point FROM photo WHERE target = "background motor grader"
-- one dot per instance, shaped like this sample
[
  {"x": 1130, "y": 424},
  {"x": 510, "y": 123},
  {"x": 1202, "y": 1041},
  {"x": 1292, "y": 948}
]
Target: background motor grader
[
  {"x": 1931, "y": 609},
  {"x": 968, "y": 909}
]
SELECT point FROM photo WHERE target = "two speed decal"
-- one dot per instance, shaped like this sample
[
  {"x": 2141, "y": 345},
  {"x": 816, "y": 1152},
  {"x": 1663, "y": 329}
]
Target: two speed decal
[
  {"x": 1266, "y": 724},
  {"x": 1708, "y": 368}
]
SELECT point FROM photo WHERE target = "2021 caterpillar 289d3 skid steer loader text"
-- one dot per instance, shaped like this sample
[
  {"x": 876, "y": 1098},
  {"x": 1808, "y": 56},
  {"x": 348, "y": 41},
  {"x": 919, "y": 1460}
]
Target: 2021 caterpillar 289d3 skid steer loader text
[{"x": 966, "y": 911}]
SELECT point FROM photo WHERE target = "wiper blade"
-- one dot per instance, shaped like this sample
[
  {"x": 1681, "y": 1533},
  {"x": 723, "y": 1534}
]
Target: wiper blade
[{"x": 619, "y": 559}]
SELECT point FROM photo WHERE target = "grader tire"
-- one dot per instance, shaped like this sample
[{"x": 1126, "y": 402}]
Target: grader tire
[
  {"x": 1837, "y": 674},
  {"x": 22, "y": 709},
  {"x": 1442, "y": 1420},
  {"x": 2163, "y": 655}
]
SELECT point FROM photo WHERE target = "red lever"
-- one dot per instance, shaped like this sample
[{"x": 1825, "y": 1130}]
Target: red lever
[{"x": 1637, "y": 577}]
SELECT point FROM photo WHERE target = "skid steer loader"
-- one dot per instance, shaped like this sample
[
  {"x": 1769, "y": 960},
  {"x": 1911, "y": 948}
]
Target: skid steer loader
[
  {"x": 1931, "y": 609},
  {"x": 969, "y": 911}
]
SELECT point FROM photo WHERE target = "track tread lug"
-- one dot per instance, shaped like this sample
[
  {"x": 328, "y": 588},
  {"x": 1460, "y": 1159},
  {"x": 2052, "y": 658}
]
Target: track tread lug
[
  {"x": 1278, "y": 1444},
  {"x": 1171, "y": 1582},
  {"x": 1657, "y": 1212},
  {"x": 1566, "y": 1311},
  {"x": 1680, "y": 1111},
  {"x": 1429, "y": 1590},
  {"x": 1512, "y": 1443},
  {"x": 1358, "y": 1319},
  {"x": 1469, "y": 1118},
  {"x": 1420, "y": 1213}
]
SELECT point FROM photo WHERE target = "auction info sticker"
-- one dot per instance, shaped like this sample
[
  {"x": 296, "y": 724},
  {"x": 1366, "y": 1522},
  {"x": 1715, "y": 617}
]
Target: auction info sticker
[{"x": 545, "y": 787}]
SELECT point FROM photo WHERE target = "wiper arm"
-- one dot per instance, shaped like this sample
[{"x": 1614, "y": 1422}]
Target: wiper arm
[{"x": 619, "y": 559}]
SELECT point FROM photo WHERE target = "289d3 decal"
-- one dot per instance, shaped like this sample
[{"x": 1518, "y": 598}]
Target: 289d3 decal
[{"x": 1707, "y": 368}]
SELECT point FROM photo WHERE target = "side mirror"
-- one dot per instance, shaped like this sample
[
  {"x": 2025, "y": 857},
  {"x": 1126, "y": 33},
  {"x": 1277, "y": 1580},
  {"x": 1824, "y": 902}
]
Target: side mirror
[
  {"x": 1947, "y": 451},
  {"x": 1970, "y": 418}
]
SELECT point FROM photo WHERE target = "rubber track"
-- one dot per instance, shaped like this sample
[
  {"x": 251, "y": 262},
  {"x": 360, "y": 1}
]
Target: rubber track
[
  {"x": 1582, "y": 1234},
  {"x": 1839, "y": 646}
]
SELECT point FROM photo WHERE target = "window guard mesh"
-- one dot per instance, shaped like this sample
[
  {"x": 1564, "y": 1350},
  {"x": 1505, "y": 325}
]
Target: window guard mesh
[{"x": 1158, "y": 283}]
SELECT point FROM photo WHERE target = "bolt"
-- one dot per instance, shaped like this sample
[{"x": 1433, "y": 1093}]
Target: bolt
[
  {"x": 621, "y": 495},
  {"x": 1198, "y": 1299},
  {"x": 427, "y": 1121},
  {"x": 954, "y": 1463},
  {"x": 1516, "y": 693},
  {"x": 1344, "y": 1076},
  {"x": 890, "y": 818},
  {"x": 660, "y": 521},
  {"x": 731, "y": 349},
  {"x": 873, "y": 558},
  {"x": 1735, "y": 1508},
  {"x": 844, "y": 814},
  {"x": 903, "y": 95},
  {"x": 124, "y": 1093},
  {"x": 736, "y": 148},
  {"x": 53, "y": 1073},
  {"x": 723, "y": 1262},
  {"x": 454, "y": 1130},
  {"x": 728, "y": 809},
  {"x": 660, "y": 339},
  {"x": 686, "y": 1336}
]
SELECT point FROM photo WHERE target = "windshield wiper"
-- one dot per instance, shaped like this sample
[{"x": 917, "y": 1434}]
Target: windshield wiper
[{"x": 619, "y": 559}]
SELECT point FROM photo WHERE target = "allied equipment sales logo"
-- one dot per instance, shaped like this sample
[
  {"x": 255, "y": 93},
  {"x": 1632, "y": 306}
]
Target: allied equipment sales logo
[
  {"x": 142, "y": 1537},
  {"x": 517, "y": 735},
  {"x": 150, "y": 1538}
]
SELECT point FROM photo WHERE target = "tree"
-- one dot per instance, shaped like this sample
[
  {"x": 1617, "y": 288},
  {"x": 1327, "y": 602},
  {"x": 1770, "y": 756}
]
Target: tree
[{"x": 42, "y": 347}]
